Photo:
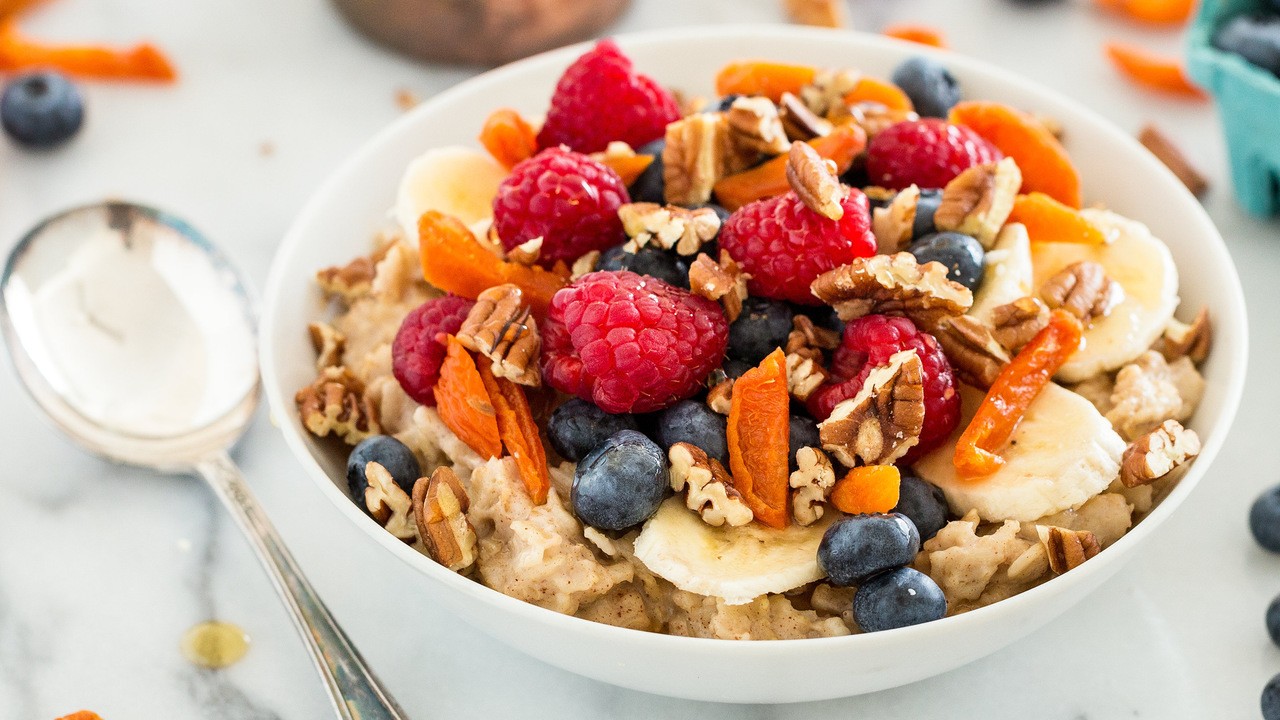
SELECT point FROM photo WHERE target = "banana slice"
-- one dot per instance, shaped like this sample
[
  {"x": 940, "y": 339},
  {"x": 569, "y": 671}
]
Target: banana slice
[
  {"x": 738, "y": 564},
  {"x": 1144, "y": 268},
  {"x": 454, "y": 180},
  {"x": 1063, "y": 453},
  {"x": 1008, "y": 275}
]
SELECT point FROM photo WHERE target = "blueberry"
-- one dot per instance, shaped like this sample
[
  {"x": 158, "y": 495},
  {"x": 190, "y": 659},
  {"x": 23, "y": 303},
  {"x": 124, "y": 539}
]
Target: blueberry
[
  {"x": 804, "y": 433},
  {"x": 924, "y": 504},
  {"x": 725, "y": 103},
  {"x": 960, "y": 253},
  {"x": 578, "y": 427},
  {"x": 857, "y": 547},
  {"x": 649, "y": 261},
  {"x": 621, "y": 483},
  {"x": 898, "y": 598},
  {"x": 926, "y": 206},
  {"x": 1271, "y": 699},
  {"x": 1256, "y": 38},
  {"x": 931, "y": 87},
  {"x": 41, "y": 109},
  {"x": 735, "y": 368},
  {"x": 695, "y": 423},
  {"x": 762, "y": 327},
  {"x": 388, "y": 452},
  {"x": 1264, "y": 519},
  {"x": 649, "y": 186},
  {"x": 1273, "y": 620}
]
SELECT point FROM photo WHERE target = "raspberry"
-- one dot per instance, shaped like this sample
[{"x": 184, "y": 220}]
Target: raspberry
[
  {"x": 601, "y": 98},
  {"x": 867, "y": 343},
  {"x": 928, "y": 152},
  {"x": 563, "y": 197},
  {"x": 785, "y": 245},
  {"x": 416, "y": 353},
  {"x": 630, "y": 343}
]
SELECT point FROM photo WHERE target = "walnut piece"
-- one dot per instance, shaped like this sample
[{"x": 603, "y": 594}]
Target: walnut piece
[
  {"x": 1149, "y": 391},
  {"x": 892, "y": 285},
  {"x": 1158, "y": 453},
  {"x": 395, "y": 272},
  {"x": 978, "y": 201},
  {"x": 894, "y": 225},
  {"x": 814, "y": 179},
  {"x": 328, "y": 343},
  {"x": 335, "y": 403},
  {"x": 883, "y": 421},
  {"x": 720, "y": 396},
  {"x": 819, "y": 13},
  {"x": 1067, "y": 549},
  {"x": 501, "y": 328},
  {"x": 798, "y": 121},
  {"x": 584, "y": 264},
  {"x": 1015, "y": 323},
  {"x": 352, "y": 280},
  {"x": 697, "y": 154},
  {"x": 806, "y": 337},
  {"x": 804, "y": 359},
  {"x": 526, "y": 253},
  {"x": 826, "y": 91},
  {"x": 439, "y": 509},
  {"x": 1082, "y": 289},
  {"x": 388, "y": 503},
  {"x": 1192, "y": 341},
  {"x": 724, "y": 282},
  {"x": 975, "y": 354},
  {"x": 710, "y": 490},
  {"x": 872, "y": 117},
  {"x": 755, "y": 126},
  {"x": 805, "y": 374},
  {"x": 812, "y": 481},
  {"x": 669, "y": 226}
]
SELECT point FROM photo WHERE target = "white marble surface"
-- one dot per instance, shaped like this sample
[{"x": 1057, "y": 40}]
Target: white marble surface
[{"x": 102, "y": 568}]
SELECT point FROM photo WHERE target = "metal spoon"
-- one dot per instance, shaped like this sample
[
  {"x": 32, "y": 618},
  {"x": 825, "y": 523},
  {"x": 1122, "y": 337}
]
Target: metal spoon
[{"x": 138, "y": 339}]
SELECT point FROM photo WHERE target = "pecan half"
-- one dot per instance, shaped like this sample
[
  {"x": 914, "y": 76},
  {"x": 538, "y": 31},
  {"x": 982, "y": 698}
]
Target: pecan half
[
  {"x": 894, "y": 225},
  {"x": 812, "y": 481},
  {"x": 883, "y": 421},
  {"x": 669, "y": 226},
  {"x": 697, "y": 154},
  {"x": 584, "y": 264},
  {"x": 328, "y": 343},
  {"x": 1082, "y": 289},
  {"x": 975, "y": 354},
  {"x": 814, "y": 179},
  {"x": 1015, "y": 323},
  {"x": 755, "y": 126},
  {"x": 808, "y": 338},
  {"x": 978, "y": 201},
  {"x": 335, "y": 403},
  {"x": 1067, "y": 549},
  {"x": 439, "y": 510},
  {"x": 724, "y": 282},
  {"x": 1169, "y": 154},
  {"x": 710, "y": 490},
  {"x": 501, "y": 328},
  {"x": 1158, "y": 453},
  {"x": 1191, "y": 341},
  {"x": 352, "y": 280},
  {"x": 892, "y": 285},
  {"x": 388, "y": 503},
  {"x": 798, "y": 121}
]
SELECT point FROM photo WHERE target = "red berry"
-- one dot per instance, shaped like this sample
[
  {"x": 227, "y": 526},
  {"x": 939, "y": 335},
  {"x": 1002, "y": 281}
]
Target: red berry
[
  {"x": 601, "y": 98},
  {"x": 927, "y": 152},
  {"x": 630, "y": 343},
  {"x": 786, "y": 246},
  {"x": 417, "y": 351},
  {"x": 563, "y": 197},
  {"x": 867, "y": 343}
]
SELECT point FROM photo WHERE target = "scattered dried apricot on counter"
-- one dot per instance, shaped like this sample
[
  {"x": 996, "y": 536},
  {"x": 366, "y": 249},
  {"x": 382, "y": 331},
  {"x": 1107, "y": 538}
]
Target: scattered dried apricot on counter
[
  {"x": 868, "y": 489},
  {"x": 763, "y": 77},
  {"x": 1156, "y": 12},
  {"x": 1046, "y": 167},
  {"x": 759, "y": 439},
  {"x": 518, "y": 430},
  {"x": 81, "y": 715},
  {"x": 1150, "y": 70},
  {"x": 464, "y": 404},
  {"x": 1048, "y": 220},
  {"x": 508, "y": 137},
  {"x": 923, "y": 34},
  {"x": 841, "y": 146},
  {"x": 141, "y": 62}
]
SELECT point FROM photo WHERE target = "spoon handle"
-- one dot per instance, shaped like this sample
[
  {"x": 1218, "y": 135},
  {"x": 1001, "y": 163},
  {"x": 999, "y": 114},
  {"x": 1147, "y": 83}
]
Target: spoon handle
[{"x": 353, "y": 688}]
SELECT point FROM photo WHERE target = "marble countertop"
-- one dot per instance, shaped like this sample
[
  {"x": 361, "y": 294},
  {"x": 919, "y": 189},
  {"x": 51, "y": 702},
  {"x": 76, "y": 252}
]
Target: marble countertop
[{"x": 102, "y": 568}]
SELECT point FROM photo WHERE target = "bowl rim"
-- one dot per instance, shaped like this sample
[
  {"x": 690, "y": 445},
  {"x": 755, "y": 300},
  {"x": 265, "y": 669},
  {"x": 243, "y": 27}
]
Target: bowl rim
[{"x": 1236, "y": 358}]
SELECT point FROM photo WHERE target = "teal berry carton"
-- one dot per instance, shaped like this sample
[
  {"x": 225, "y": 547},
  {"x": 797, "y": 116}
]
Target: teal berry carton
[{"x": 1248, "y": 100}]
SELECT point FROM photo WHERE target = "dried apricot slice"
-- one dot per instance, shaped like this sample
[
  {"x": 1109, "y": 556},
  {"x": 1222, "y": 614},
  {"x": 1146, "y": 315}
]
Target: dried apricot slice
[
  {"x": 519, "y": 431},
  {"x": 867, "y": 489},
  {"x": 770, "y": 178},
  {"x": 508, "y": 137},
  {"x": 1156, "y": 12},
  {"x": 1044, "y": 163},
  {"x": 1153, "y": 71},
  {"x": 923, "y": 34},
  {"x": 463, "y": 402},
  {"x": 143, "y": 61},
  {"x": 454, "y": 261},
  {"x": 871, "y": 89},
  {"x": 81, "y": 715},
  {"x": 763, "y": 77},
  {"x": 1048, "y": 220},
  {"x": 759, "y": 439},
  {"x": 628, "y": 167}
]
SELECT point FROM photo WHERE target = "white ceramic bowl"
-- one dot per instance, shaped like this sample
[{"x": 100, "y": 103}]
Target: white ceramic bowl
[{"x": 340, "y": 219}]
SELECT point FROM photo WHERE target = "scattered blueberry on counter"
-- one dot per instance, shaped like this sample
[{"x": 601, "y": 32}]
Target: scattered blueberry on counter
[
  {"x": 41, "y": 109},
  {"x": 649, "y": 261},
  {"x": 762, "y": 327},
  {"x": 1271, "y": 699},
  {"x": 923, "y": 503},
  {"x": 856, "y": 547},
  {"x": 693, "y": 422},
  {"x": 577, "y": 427},
  {"x": 962, "y": 254},
  {"x": 650, "y": 187},
  {"x": 388, "y": 452},
  {"x": 1256, "y": 38},
  {"x": 932, "y": 88},
  {"x": 898, "y": 598},
  {"x": 1264, "y": 519},
  {"x": 621, "y": 483},
  {"x": 1273, "y": 620}
]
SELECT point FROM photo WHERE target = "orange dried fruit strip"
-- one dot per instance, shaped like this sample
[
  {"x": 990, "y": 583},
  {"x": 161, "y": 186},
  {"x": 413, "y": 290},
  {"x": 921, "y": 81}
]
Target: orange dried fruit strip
[
  {"x": 1153, "y": 71},
  {"x": 1048, "y": 220},
  {"x": 870, "y": 89},
  {"x": 923, "y": 34},
  {"x": 454, "y": 261},
  {"x": 763, "y": 77},
  {"x": 508, "y": 137},
  {"x": 628, "y": 167},
  {"x": 759, "y": 439},
  {"x": 1046, "y": 167},
  {"x": 141, "y": 62},
  {"x": 1015, "y": 388},
  {"x": 519, "y": 431},
  {"x": 868, "y": 489},
  {"x": 770, "y": 178},
  {"x": 463, "y": 402},
  {"x": 1156, "y": 12},
  {"x": 81, "y": 715}
]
